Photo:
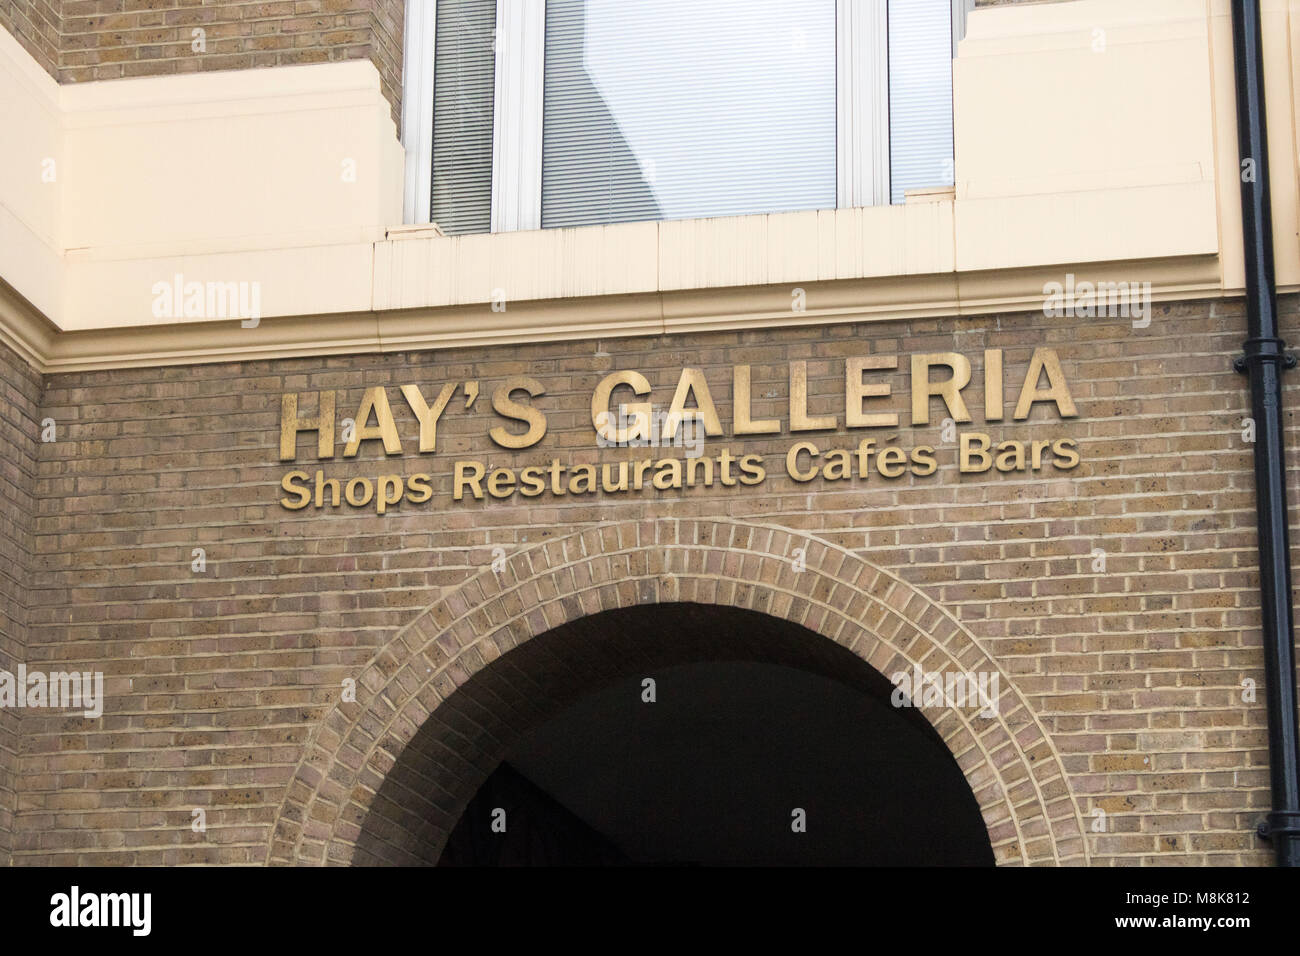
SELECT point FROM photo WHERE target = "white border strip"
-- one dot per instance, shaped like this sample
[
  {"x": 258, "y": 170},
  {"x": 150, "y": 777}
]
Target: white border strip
[
  {"x": 862, "y": 103},
  {"x": 417, "y": 108},
  {"x": 517, "y": 116}
]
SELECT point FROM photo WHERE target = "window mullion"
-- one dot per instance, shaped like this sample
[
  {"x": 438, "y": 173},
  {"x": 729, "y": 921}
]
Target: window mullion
[
  {"x": 517, "y": 116},
  {"x": 862, "y": 102},
  {"x": 417, "y": 109}
]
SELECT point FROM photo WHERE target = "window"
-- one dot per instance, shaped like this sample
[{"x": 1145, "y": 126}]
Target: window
[
  {"x": 674, "y": 109},
  {"x": 464, "y": 68},
  {"x": 920, "y": 96},
  {"x": 549, "y": 113}
]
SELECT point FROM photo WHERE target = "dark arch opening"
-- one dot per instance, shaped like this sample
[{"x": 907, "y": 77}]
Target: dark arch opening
[{"x": 765, "y": 744}]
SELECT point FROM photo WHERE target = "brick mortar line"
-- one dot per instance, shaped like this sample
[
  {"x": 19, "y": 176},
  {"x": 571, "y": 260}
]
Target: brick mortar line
[
  {"x": 516, "y": 459},
  {"x": 371, "y": 470},
  {"x": 1004, "y": 602},
  {"x": 217, "y": 21},
  {"x": 142, "y": 848},
  {"x": 1061, "y": 654},
  {"x": 342, "y": 629},
  {"x": 797, "y": 490},
  {"x": 1042, "y": 696},
  {"x": 607, "y": 500},
  {"x": 1239, "y": 749},
  {"x": 843, "y": 531},
  {"x": 1127, "y": 571},
  {"x": 92, "y": 601},
  {"x": 1213, "y": 666}
]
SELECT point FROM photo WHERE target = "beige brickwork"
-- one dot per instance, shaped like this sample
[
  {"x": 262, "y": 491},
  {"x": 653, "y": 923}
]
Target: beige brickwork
[
  {"x": 1124, "y": 687},
  {"x": 35, "y": 23},
  {"x": 20, "y": 392},
  {"x": 437, "y": 681}
]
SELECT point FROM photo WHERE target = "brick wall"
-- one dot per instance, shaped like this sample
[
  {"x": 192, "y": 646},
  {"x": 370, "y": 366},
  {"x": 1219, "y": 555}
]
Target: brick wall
[
  {"x": 78, "y": 40},
  {"x": 20, "y": 392},
  {"x": 35, "y": 24},
  {"x": 218, "y": 680}
]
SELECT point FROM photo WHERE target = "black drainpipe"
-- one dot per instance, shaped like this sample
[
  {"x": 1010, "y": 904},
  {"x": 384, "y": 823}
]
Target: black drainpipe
[{"x": 1264, "y": 359}]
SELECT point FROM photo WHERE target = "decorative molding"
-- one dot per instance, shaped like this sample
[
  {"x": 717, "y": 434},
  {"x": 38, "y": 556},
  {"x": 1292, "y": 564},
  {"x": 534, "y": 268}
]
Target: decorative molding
[
  {"x": 651, "y": 313},
  {"x": 24, "y": 329}
]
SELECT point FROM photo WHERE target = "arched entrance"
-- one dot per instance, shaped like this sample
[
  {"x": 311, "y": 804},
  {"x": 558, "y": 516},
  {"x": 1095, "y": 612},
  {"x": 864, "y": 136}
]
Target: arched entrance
[
  {"x": 685, "y": 734},
  {"x": 386, "y": 778}
]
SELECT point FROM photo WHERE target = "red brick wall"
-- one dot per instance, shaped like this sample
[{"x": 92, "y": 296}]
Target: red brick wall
[
  {"x": 20, "y": 392},
  {"x": 217, "y": 680}
]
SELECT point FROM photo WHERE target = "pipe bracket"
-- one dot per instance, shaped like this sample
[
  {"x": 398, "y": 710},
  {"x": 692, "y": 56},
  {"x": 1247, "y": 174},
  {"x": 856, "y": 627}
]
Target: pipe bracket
[
  {"x": 1263, "y": 350},
  {"x": 1283, "y": 822}
]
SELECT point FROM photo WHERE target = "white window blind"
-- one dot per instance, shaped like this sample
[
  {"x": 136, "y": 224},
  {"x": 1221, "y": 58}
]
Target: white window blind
[
  {"x": 464, "y": 69},
  {"x": 666, "y": 109},
  {"x": 574, "y": 112},
  {"x": 920, "y": 95}
]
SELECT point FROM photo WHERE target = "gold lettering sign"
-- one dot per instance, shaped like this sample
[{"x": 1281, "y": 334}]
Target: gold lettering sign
[
  {"x": 427, "y": 415},
  {"x": 604, "y": 421},
  {"x": 742, "y": 405},
  {"x": 507, "y": 407},
  {"x": 855, "y": 390},
  {"x": 374, "y": 402},
  {"x": 291, "y": 423},
  {"x": 675, "y": 434}
]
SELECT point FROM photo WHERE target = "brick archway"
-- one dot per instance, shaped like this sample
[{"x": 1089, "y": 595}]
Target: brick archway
[{"x": 1015, "y": 774}]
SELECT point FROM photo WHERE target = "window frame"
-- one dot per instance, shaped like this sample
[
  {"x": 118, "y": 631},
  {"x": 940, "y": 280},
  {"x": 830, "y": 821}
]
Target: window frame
[
  {"x": 517, "y": 115},
  {"x": 862, "y": 168},
  {"x": 420, "y": 27}
]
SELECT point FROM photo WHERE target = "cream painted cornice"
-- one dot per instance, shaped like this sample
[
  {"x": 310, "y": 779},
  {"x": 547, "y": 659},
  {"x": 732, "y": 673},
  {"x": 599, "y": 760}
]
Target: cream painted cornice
[
  {"x": 25, "y": 330},
  {"x": 885, "y": 299}
]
